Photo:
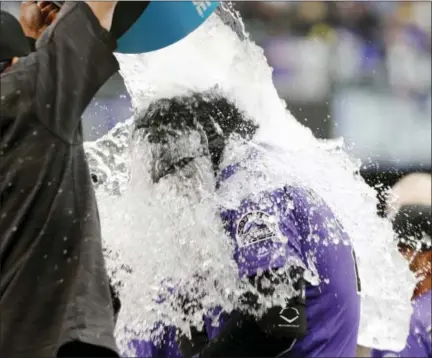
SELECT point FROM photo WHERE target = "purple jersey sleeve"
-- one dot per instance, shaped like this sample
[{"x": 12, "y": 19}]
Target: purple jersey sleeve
[
  {"x": 166, "y": 347},
  {"x": 163, "y": 344},
  {"x": 264, "y": 231},
  {"x": 416, "y": 346},
  {"x": 419, "y": 341}
]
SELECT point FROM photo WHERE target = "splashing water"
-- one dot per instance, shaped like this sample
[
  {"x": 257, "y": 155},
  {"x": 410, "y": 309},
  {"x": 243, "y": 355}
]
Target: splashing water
[{"x": 168, "y": 238}]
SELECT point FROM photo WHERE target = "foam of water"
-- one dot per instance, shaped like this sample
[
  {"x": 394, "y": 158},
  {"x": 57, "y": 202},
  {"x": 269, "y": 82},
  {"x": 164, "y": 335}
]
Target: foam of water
[{"x": 159, "y": 234}]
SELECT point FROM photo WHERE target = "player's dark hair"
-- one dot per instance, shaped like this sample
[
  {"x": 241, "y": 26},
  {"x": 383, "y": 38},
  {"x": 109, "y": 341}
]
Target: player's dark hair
[{"x": 208, "y": 112}]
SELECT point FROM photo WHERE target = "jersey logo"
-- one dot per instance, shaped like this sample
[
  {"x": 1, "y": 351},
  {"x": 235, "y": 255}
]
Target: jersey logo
[
  {"x": 290, "y": 315},
  {"x": 262, "y": 252},
  {"x": 255, "y": 227}
]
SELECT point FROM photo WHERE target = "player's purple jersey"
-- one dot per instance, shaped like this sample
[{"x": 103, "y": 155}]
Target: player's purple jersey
[
  {"x": 292, "y": 224},
  {"x": 419, "y": 342},
  {"x": 166, "y": 347}
]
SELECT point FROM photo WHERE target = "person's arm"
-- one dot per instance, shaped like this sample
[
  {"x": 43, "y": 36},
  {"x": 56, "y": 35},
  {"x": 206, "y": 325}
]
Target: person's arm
[
  {"x": 244, "y": 335},
  {"x": 73, "y": 59},
  {"x": 165, "y": 346},
  {"x": 35, "y": 17}
]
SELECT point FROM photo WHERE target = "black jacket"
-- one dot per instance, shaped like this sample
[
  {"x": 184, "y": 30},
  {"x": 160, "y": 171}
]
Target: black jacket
[{"x": 53, "y": 283}]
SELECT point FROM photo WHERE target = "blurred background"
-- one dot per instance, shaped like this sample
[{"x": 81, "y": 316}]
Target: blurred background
[{"x": 360, "y": 70}]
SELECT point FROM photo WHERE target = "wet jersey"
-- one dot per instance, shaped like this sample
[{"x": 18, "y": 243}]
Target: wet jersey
[
  {"x": 167, "y": 346},
  {"x": 291, "y": 225},
  {"x": 419, "y": 342}
]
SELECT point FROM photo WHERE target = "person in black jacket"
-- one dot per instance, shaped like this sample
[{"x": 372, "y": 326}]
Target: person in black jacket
[{"x": 54, "y": 291}]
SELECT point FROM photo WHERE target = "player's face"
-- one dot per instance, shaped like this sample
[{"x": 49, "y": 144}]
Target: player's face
[
  {"x": 171, "y": 151},
  {"x": 174, "y": 189}
]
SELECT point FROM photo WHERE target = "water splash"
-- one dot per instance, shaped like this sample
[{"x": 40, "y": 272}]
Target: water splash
[{"x": 153, "y": 231}]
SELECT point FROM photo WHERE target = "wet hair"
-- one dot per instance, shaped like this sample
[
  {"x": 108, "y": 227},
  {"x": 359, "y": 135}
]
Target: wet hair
[{"x": 209, "y": 113}]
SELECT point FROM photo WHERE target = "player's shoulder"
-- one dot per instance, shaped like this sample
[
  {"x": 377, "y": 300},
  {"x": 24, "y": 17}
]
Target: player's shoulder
[
  {"x": 422, "y": 313},
  {"x": 264, "y": 215},
  {"x": 421, "y": 321},
  {"x": 264, "y": 230},
  {"x": 269, "y": 202},
  {"x": 306, "y": 198},
  {"x": 287, "y": 204}
]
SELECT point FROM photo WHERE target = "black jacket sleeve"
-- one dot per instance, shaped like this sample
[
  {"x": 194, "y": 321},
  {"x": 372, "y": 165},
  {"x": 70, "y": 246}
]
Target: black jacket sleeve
[
  {"x": 32, "y": 43},
  {"x": 73, "y": 59}
]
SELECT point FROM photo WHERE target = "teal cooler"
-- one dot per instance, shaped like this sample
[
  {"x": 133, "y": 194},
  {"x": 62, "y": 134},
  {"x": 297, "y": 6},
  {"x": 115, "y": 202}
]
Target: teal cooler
[{"x": 157, "y": 24}]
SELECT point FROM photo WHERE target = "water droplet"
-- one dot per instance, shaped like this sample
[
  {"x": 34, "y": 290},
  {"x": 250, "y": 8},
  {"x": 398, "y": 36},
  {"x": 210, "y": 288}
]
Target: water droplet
[
  {"x": 290, "y": 205},
  {"x": 315, "y": 237}
]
